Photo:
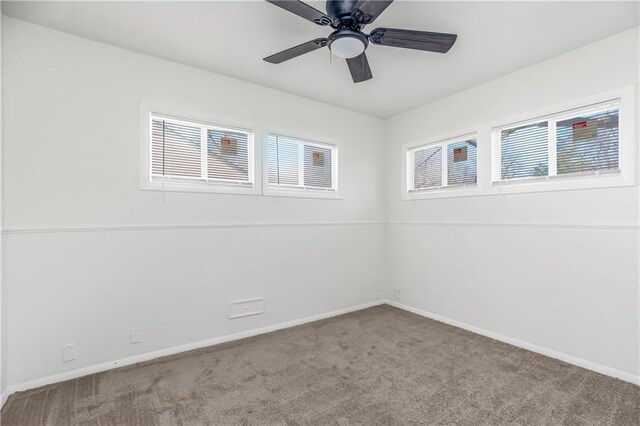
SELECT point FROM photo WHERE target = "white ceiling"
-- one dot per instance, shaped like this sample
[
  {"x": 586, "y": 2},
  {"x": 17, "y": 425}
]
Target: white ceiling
[{"x": 231, "y": 38}]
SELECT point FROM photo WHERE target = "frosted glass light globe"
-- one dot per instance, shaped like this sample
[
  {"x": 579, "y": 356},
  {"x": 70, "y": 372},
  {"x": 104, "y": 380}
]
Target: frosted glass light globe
[{"x": 347, "y": 47}]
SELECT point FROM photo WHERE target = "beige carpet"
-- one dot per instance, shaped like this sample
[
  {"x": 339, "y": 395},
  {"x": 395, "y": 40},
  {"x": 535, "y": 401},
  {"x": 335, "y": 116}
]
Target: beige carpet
[{"x": 376, "y": 366}]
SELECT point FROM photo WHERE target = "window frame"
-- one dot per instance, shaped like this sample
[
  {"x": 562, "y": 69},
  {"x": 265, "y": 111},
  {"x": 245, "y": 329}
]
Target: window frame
[
  {"x": 213, "y": 186},
  {"x": 296, "y": 191},
  {"x": 443, "y": 191},
  {"x": 626, "y": 176}
]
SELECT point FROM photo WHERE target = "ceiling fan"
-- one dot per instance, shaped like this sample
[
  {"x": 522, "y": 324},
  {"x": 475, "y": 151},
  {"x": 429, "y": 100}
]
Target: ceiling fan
[{"x": 348, "y": 41}]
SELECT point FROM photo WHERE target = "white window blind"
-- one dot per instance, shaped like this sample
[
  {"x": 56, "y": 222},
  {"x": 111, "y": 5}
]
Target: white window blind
[
  {"x": 462, "y": 163},
  {"x": 447, "y": 164},
  {"x": 525, "y": 151},
  {"x": 580, "y": 141},
  {"x": 588, "y": 142},
  {"x": 175, "y": 149},
  {"x": 299, "y": 164},
  {"x": 184, "y": 151},
  {"x": 427, "y": 166}
]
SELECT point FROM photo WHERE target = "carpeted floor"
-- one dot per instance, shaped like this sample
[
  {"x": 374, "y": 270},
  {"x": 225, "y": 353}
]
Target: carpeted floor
[{"x": 376, "y": 366}]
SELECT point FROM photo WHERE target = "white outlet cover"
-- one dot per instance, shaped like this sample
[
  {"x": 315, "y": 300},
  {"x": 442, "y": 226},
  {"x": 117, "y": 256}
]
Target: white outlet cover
[
  {"x": 136, "y": 335},
  {"x": 68, "y": 352}
]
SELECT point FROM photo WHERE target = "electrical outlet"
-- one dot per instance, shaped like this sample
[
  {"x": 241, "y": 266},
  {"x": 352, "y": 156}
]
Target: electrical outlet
[
  {"x": 136, "y": 335},
  {"x": 396, "y": 294},
  {"x": 68, "y": 352}
]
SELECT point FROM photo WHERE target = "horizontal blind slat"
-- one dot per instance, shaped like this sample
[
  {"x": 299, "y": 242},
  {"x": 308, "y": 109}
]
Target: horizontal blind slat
[
  {"x": 461, "y": 165},
  {"x": 294, "y": 163},
  {"x": 462, "y": 172},
  {"x": 177, "y": 151},
  {"x": 525, "y": 151},
  {"x": 592, "y": 145},
  {"x": 585, "y": 140},
  {"x": 427, "y": 167}
]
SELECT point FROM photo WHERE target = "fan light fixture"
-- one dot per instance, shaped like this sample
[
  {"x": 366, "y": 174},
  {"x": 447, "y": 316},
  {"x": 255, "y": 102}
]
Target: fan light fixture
[
  {"x": 347, "y": 47},
  {"x": 347, "y": 18}
]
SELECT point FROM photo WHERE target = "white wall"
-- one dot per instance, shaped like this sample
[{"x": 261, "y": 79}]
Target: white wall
[
  {"x": 88, "y": 255},
  {"x": 2, "y": 322},
  {"x": 565, "y": 276}
]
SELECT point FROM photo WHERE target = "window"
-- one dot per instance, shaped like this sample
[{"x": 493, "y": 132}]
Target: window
[
  {"x": 588, "y": 142},
  {"x": 585, "y": 144},
  {"x": 524, "y": 151},
  {"x": 300, "y": 167},
  {"x": 584, "y": 141},
  {"x": 448, "y": 164},
  {"x": 191, "y": 155}
]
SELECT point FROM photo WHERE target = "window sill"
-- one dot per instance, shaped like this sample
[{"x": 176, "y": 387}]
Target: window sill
[
  {"x": 443, "y": 192},
  {"x": 301, "y": 193},
  {"x": 207, "y": 188},
  {"x": 563, "y": 183}
]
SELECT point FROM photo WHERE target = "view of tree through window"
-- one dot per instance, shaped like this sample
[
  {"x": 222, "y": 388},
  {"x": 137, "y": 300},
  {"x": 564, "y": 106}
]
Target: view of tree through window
[
  {"x": 460, "y": 160},
  {"x": 525, "y": 151},
  {"x": 588, "y": 143},
  {"x": 427, "y": 167},
  {"x": 462, "y": 163},
  {"x": 297, "y": 163}
]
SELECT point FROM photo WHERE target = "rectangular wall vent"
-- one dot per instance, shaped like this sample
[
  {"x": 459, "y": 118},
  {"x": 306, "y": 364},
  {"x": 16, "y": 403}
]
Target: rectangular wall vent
[{"x": 244, "y": 308}]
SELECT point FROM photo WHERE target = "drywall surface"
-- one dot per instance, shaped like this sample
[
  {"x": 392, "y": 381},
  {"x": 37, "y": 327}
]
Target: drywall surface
[
  {"x": 89, "y": 256},
  {"x": 2, "y": 311},
  {"x": 555, "y": 269}
]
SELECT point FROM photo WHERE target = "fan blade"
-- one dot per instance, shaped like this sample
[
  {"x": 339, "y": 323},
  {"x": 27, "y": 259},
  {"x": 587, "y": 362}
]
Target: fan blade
[
  {"x": 296, "y": 51},
  {"x": 303, "y": 10},
  {"x": 359, "y": 68},
  {"x": 409, "y": 39},
  {"x": 366, "y": 11}
]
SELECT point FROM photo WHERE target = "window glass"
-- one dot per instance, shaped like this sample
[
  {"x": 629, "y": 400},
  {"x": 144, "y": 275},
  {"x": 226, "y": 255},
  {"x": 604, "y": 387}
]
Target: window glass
[
  {"x": 299, "y": 164},
  {"x": 317, "y": 166},
  {"x": 427, "y": 167},
  {"x": 175, "y": 149},
  {"x": 442, "y": 165},
  {"x": 462, "y": 163},
  {"x": 227, "y": 155},
  {"x": 525, "y": 151},
  {"x": 588, "y": 142},
  {"x": 199, "y": 153}
]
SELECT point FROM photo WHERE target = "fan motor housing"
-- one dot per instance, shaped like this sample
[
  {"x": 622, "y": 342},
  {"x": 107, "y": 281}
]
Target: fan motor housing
[{"x": 340, "y": 8}]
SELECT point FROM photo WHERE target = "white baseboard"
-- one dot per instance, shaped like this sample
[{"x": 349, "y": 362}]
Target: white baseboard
[
  {"x": 589, "y": 365},
  {"x": 5, "y": 395},
  {"x": 97, "y": 368}
]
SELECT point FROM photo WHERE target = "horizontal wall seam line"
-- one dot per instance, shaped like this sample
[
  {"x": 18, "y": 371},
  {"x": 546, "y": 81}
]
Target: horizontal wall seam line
[
  {"x": 524, "y": 225},
  {"x": 10, "y": 231}
]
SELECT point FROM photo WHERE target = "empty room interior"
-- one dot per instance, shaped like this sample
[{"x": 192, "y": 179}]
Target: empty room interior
[{"x": 316, "y": 213}]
